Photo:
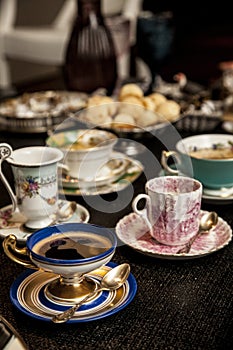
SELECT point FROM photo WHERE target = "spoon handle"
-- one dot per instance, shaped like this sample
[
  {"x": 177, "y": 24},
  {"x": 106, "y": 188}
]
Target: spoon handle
[
  {"x": 68, "y": 314},
  {"x": 188, "y": 245},
  {"x": 5, "y": 152}
]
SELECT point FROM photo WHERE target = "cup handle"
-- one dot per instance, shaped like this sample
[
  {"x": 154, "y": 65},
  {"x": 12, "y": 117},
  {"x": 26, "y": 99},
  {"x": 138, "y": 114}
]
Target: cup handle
[
  {"x": 5, "y": 152},
  {"x": 64, "y": 168},
  {"x": 143, "y": 212},
  {"x": 17, "y": 254},
  {"x": 164, "y": 159}
]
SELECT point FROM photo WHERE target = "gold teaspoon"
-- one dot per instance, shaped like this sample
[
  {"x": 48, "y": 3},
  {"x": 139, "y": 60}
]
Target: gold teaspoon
[
  {"x": 207, "y": 222},
  {"x": 113, "y": 279}
]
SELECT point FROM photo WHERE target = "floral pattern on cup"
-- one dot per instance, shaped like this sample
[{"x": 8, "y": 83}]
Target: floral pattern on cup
[
  {"x": 36, "y": 182},
  {"x": 30, "y": 187}
]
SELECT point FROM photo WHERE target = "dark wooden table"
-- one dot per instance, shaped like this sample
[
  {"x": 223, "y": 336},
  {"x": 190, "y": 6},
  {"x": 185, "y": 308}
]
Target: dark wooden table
[{"x": 178, "y": 305}]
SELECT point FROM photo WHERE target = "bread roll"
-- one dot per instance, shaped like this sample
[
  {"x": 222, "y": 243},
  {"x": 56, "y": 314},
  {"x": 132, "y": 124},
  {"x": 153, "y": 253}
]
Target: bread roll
[
  {"x": 130, "y": 90},
  {"x": 148, "y": 118},
  {"x": 104, "y": 104},
  {"x": 98, "y": 99},
  {"x": 148, "y": 103},
  {"x": 157, "y": 98},
  {"x": 169, "y": 109},
  {"x": 133, "y": 100},
  {"x": 98, "y": 115},
  {"x": 123, "y": 120},
  {"x": 134, "y": 110}
]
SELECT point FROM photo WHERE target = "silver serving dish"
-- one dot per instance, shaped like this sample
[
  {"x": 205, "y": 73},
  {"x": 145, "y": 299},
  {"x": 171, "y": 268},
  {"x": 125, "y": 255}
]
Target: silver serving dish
[
  {"x": 205, "y": 118},
  {"x": 40, "y": 111}
]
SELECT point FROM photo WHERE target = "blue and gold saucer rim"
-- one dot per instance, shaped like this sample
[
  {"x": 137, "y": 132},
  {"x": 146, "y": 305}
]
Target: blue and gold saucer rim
[
  {"x": 62, "y": 229},
  {"x": 27, "y": 295}
]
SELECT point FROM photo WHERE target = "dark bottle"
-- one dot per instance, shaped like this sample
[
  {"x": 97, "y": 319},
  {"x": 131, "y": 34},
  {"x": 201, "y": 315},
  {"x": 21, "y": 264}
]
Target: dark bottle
[{"x": 90, "y": 61}]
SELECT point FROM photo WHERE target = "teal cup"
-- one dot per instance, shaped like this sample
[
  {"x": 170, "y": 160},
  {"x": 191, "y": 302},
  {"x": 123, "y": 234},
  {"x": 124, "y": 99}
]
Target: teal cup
[{"x": 207, "y": 158}]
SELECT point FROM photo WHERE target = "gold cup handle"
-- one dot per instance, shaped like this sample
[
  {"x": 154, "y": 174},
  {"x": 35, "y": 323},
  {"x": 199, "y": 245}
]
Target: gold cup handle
[
  {"x": 17, "y": 254},
  {"x": 164, "y": 159},
  {"x": 5, "y": 152}
]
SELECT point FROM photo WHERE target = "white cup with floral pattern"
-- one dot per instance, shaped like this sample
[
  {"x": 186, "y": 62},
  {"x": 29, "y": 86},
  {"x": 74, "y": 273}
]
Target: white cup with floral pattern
[
  {"x": 172, "y": 208},
  {"x": 35, "y": 171}
]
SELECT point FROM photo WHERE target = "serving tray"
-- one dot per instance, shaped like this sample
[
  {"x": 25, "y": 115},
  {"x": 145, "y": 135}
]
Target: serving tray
[{"x": 40, "y": 111}]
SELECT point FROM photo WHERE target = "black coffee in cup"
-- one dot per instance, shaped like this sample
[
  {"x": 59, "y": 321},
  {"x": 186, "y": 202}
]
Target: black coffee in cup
[{"x": 72, "y": 245}]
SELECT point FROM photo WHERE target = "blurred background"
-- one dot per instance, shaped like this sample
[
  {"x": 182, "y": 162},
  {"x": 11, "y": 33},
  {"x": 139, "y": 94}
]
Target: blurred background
[{"x": 171, "y": 37}]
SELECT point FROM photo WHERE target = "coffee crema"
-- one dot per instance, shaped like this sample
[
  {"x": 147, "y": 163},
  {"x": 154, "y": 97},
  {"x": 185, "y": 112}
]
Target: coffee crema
[{"x": 72, "y": 245}]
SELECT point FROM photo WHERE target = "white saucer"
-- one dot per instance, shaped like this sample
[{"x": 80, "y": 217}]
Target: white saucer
[
  {"x": 125, "y": 171},
  {"x": 108, "y": 173},
  {"x": 13, "y": 223},
  {"x": 214, "y": 197},
  {"x": 133, "y": 231}
]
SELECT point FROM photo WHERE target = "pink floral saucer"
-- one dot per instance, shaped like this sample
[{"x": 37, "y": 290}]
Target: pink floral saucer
[{"x": 133, "y": 231}]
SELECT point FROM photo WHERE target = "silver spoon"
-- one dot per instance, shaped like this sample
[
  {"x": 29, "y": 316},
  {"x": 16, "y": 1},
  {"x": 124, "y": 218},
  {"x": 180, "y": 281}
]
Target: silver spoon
[
  {"x": 113, "y": 279},
  {"x": 207, "y": 222}
]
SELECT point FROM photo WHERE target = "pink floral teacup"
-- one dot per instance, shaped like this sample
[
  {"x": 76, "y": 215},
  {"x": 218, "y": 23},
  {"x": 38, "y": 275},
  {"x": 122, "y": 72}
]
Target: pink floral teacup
[
  {"x": 36, "y": 182},
  {"x": 172, "y": 208}
]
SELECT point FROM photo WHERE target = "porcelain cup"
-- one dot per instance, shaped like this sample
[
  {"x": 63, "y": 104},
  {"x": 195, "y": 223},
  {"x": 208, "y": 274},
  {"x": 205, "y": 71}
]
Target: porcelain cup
[
  {"x": 211, "y": 172},
  {"x": 172, "y": 208},
  {"x": 36, "y": 182},
  {"x": 85, "y": 151},
  {"x": 69, "y": 251}
]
